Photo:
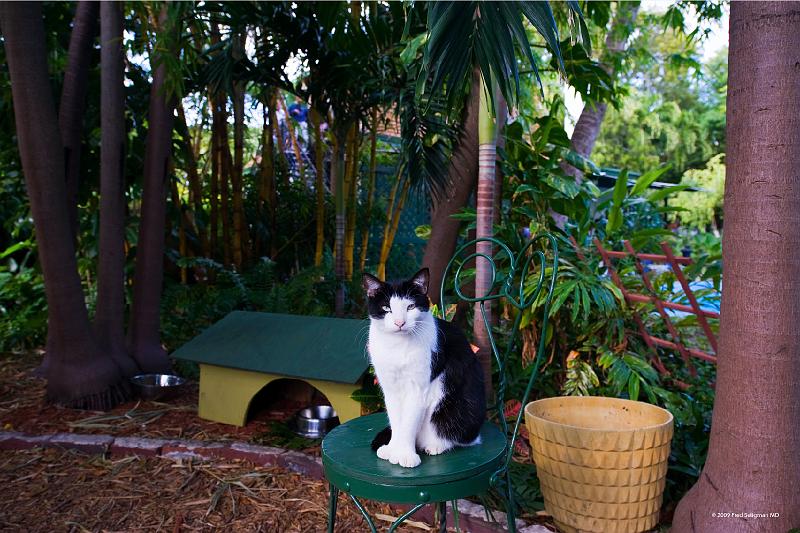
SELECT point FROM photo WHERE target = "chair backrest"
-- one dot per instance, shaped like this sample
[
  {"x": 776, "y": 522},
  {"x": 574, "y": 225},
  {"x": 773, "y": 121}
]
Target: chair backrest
[{"x": 510, "y": 273}]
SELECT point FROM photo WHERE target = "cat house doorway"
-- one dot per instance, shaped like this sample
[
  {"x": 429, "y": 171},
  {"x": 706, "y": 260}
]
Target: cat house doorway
[{"x": 282, "y": 398}]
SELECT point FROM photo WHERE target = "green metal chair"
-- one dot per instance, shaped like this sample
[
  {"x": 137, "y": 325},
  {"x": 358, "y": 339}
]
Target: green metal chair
[{"x": 352, "y": 467}]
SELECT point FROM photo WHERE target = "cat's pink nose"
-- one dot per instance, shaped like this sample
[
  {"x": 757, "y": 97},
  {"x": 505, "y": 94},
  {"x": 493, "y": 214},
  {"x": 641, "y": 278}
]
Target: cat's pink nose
[{"x": 399, "y": 323}]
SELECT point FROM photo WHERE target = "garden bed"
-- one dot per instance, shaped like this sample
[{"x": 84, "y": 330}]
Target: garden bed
[{"x": 56, "y": 488}]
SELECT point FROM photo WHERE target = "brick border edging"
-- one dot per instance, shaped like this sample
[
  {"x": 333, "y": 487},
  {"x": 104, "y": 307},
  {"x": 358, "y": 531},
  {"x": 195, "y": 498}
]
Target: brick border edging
[
  {"x": 469, "y": 516},
  {"x": 167, "y": 448}
]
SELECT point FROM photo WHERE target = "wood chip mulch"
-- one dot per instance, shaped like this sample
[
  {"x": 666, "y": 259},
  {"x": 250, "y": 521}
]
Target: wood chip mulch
[
  {"x": 22, "y": 408},
  {"x": 55, "y": 490}
]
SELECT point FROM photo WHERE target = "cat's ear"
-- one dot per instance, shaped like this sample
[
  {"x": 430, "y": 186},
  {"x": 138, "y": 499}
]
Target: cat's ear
[
  {"x": 421, "y": 280},
  {"x": 371, "y": 284}
]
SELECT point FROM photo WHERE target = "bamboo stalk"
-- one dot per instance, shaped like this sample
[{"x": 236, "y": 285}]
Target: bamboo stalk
[
  {"x": 392, "y": 220},
  {"x": 319, "y": 161},
  {"x": 373, "y": 170},
  {"x": 276, "y": 128},
  {"x": 352, "y": 204},
  {"x": 176, "y": 202},
  {"x": 214, "y": 217},
  {"x": 239, "y": 231},
  {"x": 195, "y": 184}
]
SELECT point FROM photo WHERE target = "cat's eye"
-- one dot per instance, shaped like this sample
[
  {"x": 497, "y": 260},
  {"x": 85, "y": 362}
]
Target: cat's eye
[
  {"x": 412, "y": 306},
  {"x": 386, "y": 308}
]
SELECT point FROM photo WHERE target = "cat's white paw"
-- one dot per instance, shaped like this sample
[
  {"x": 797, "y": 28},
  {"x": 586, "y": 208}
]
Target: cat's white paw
[
  {"x": 399, "y": 457},
  {"x": 408, "y": 459},
  {"x": 384, "y": 452},
  {"x": 437, "y": 448}
]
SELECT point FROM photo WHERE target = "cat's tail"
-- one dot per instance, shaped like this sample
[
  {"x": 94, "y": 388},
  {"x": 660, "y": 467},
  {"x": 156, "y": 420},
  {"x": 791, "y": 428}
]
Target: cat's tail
[{"x": 383, "y": 437}]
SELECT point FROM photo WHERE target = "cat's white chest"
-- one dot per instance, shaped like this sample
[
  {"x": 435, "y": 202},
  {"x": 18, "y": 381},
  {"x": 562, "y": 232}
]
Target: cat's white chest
[{"x": 402, "y": 360}]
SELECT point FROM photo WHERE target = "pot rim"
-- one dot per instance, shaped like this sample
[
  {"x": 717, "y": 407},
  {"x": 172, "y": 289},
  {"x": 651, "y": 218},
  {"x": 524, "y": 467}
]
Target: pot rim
[{"x": 530, "y": 414}]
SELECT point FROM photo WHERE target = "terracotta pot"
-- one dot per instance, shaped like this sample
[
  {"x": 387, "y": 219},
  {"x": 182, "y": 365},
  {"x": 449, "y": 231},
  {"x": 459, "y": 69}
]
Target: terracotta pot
[{"x": 601, "y": 462}]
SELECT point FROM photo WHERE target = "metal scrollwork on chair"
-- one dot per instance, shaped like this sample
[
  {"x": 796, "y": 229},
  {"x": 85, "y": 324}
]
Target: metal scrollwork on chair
[{"x": 521, "y": 296}]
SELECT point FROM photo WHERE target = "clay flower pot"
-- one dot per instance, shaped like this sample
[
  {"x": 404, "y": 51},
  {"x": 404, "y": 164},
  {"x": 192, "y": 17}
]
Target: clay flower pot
[{"x": 601, "y": 462}]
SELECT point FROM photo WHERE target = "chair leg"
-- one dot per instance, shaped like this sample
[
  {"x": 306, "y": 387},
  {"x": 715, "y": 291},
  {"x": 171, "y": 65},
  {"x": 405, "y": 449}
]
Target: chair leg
[
  {"x": 442, "y": 517},
  {"x": 334, "y": 497},
  {"x": 510, "y": 516},
  {"x": 454, "y": 505}
]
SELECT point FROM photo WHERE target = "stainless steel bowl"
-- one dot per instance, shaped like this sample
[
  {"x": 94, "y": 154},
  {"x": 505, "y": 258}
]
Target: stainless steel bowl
[
  {"x": 315, "y": 422},
  {"x": 157, "y": 386}
]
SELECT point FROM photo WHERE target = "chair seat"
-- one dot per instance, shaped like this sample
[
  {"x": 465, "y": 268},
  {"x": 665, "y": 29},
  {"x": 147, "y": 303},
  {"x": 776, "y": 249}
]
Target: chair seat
[{"x": 352, "y": 466}]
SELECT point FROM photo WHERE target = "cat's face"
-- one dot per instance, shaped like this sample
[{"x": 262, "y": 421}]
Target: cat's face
[{"x": 398, "y": 307}]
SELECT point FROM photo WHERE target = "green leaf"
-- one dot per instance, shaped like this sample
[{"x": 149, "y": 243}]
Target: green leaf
[
  {"x": 586, "y": 303},
  {"x": 23, "y": 245},
  {"x": 409, "y": 53},
  {"x": 633, "y": 386},
  {"x": 620, "y": 189},
  {"x": 524, "y": 188},
  {"x": 660, "y": 194},
  {"x": 647, "y": 179},
  {"x": 423, "y": 231},
  {"x": 565, "y": 186}
]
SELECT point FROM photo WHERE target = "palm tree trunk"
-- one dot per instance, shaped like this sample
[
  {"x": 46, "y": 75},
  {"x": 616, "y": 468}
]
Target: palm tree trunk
[
  {"x": 319, "y": 163},
  {"x": 487, "y": 159},
  {"x": 588, "y": 126},
  {"x": 73, "y": 100},
  {"x": 462, "y": 176},
  {"x": 109, "y": 322},
  {"x": 77, "y": 373},
  {"x": 373, "y": 169},
  {"x": 753, "y": 462},
  {"x": 145, "y": 323}
]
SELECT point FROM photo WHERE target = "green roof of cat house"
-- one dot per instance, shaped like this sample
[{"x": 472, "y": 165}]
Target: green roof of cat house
[{"x": 245, "y": 351}]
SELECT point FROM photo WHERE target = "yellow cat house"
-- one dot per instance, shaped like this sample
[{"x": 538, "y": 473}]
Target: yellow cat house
[{"x": 246, "y": 351}]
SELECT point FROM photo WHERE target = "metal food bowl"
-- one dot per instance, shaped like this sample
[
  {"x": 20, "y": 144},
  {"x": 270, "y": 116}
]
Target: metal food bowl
[
  {"x": 315, "y": 422},
  {"x": 157, "y": 386}
]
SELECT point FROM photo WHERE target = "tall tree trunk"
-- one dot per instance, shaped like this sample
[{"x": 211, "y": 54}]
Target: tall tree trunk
[
  {"x": 109, "y": 321},
  {"x": 73, "y": 100},
  {"x": 373, "y": 170},
  {"x": 753, "y": 463},
  {"x": 239, "y": 233},
  {"x": 149, "y": 273},
  {"x": 77, "y": 373},
  {"x": 462, "y": 176},
  {"x": 487, "y": 159},
  {"x": 587, "y": 128},
  {"x": 319, "y": 164}
]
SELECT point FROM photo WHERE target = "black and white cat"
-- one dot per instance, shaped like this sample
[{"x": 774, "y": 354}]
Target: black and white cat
[{"x": 432, "y": 381}]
